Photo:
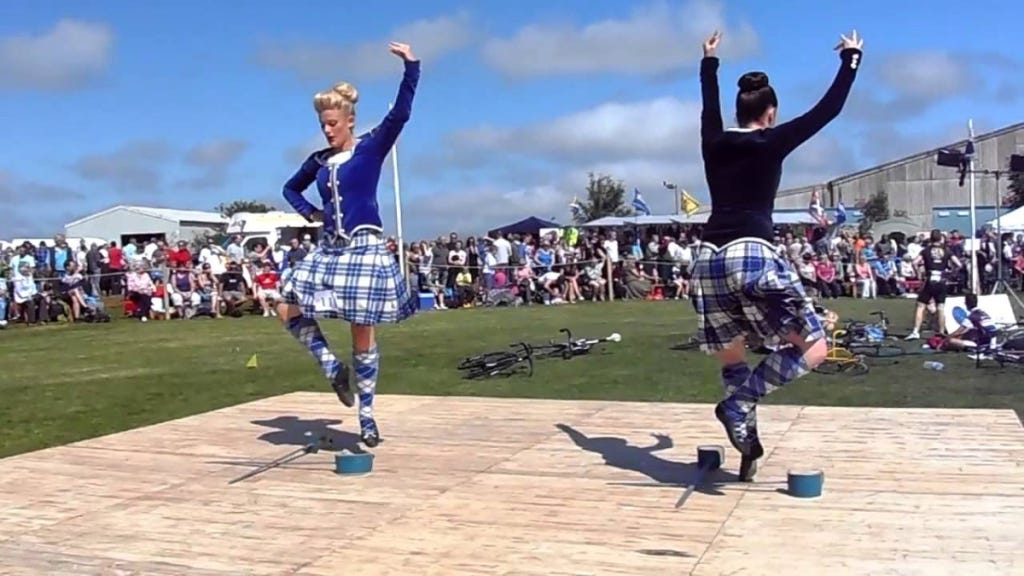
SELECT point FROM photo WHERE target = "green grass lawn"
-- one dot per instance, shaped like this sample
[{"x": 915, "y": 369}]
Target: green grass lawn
[{"x": 65, "y": 383}]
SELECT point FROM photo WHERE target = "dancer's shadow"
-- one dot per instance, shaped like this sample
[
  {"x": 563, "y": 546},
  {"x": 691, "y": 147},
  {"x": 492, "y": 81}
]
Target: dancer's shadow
[
  {"x": 291, "y": 431},
  {"x": 618, "y": 453}
]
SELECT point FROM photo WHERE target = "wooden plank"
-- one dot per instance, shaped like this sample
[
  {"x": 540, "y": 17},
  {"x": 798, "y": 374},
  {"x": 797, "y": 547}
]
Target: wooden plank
[{"x": 505, "y": 486}]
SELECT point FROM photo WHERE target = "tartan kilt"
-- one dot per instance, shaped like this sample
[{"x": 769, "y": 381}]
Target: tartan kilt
[
  {"x": 359, "y": 282},
  {"x": 746, "y": 288}
]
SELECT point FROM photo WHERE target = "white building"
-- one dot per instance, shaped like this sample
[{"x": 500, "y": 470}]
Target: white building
[{"x": 124, "y": 223}]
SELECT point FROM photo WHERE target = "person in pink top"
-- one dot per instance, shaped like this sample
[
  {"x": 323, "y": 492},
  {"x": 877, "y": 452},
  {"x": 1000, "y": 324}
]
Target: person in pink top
[{"x": 828, "y": 285}]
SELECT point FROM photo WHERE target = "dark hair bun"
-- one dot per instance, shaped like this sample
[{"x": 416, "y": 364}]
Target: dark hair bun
[{"x": 753, "y": 81}]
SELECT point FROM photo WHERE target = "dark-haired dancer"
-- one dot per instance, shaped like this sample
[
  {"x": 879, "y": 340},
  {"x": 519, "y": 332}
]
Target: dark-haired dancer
[
  {"x": 351, "y": 275},
  {"x": 741, "y": 285}
]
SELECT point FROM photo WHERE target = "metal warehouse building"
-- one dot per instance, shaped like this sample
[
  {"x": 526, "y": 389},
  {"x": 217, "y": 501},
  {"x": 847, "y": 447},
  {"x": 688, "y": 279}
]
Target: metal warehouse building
[
  {"x": 929, "y": 194},
  {"x": 124, "y": 223}
]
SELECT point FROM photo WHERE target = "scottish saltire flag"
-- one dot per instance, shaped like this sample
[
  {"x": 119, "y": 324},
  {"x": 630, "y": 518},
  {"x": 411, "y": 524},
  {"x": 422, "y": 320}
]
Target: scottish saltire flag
[
  {"x": 639, "y": 204},
  {"x": 576, "y": 208},
  {"x": 840, "y": 213}
]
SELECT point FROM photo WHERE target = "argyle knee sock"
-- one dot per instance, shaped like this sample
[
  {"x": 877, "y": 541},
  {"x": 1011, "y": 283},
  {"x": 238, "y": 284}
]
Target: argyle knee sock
[
  {"x": 307, "y": 332},
  {"x": 733, "y": 376},
  {"x": 365, "y": 366},
  {"x": 776, "y": 370}
]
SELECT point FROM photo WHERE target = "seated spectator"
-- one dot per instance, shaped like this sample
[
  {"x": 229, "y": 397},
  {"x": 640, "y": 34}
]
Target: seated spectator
[
  {"x": 267, "y": 289},
  {"x": 636, "y": 283},
  {"x": 551, "y": 283},
  {"x": 828, "y": 283},
  {"x": 807, "y": 272},
  {"x": 885, "y": 275},
  {"x": 207, "y": 289},
  {"x": 570, "y": 274},
  {"x": 865, "y": 277},
  {"x": 596, "y": 282},
  {"x": 681, "y": 284},
  {"x": 73, "y": 289},
  {"x": 464, "y": 288},
  {"x": 233, "y": 289},
  {"x": 26, "y": 294},
  {"x": 140, "y": 291},
  {"x": 182, "y": 288}
]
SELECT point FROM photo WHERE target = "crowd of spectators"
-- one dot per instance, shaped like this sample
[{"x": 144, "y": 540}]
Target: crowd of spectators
[{"x": 148, "y": 279}]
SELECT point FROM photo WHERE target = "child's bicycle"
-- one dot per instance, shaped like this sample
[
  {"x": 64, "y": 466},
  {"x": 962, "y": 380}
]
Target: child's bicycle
[
  {"x": 841, "y": 360},
  {"x": 572, "y": 348},
  {"x": 499, "y": 363}
]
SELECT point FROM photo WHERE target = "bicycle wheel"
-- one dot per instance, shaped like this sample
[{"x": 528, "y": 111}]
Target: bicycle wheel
[
  {"x": 858, "y": 368},
  {"x": 490, "y": 369},
  {"x": 829, "y": 367},
  {"x": 484, "y": 360},
  {"x": 877, "y": 350}
]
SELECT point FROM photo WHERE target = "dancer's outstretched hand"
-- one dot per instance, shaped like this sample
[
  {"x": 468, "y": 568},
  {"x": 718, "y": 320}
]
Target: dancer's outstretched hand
[
  {"x": 402, "y": 50},
  {"x": 711, "y": 44},
  {"x": 850, "y": 42}
]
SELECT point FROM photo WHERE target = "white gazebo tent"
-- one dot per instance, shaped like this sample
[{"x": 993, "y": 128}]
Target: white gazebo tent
[{"x": 1009, "y": 222}]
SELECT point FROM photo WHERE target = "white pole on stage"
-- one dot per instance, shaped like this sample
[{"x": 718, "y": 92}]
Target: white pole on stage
[
  {"x": 975, "y": 277},
  {"x": 398, "y": 208}
]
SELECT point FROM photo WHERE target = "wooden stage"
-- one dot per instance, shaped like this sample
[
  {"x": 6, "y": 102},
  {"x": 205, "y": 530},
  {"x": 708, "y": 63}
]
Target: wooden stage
[{"x": 479, "y": 486}]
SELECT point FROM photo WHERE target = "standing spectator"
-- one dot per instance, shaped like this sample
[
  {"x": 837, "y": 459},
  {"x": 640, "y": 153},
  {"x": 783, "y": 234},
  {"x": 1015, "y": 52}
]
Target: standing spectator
[
  {"x": 94, "y": 269},
  {"x": 117, "y": 267}
]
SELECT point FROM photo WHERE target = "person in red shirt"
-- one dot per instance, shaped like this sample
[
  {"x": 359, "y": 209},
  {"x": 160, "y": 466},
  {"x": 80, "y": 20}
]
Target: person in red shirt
[
  {"x": 179, "y": 257},
  {"x": 116, "y": 259},
  {"x": 267, "y": 289}
]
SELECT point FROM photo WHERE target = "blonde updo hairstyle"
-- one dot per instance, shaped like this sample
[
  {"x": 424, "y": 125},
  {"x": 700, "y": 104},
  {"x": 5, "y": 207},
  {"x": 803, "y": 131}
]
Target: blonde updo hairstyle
[{"x": 343, "y": 96}]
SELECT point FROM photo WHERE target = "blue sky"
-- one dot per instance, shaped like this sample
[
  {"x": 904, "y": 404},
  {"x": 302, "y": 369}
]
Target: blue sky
[{"x": 187, "y": 104}]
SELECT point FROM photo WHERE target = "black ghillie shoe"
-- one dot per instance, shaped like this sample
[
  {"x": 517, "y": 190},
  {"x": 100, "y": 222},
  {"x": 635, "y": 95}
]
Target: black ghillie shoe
[
  {"x": 369, "y": 433},
  {"x": 742, "y": 431},
  {"x": 342, "y": 387}
]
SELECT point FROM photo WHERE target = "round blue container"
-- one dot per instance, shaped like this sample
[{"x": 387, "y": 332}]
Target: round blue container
[
  {"x": 805, "y": 483},
  {"x": 353, "y": 463}
]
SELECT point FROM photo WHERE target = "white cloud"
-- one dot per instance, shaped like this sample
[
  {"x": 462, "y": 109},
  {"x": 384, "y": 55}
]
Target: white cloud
[
  {"x": 132, "y": 168},
  {"x": 213, "y": 160},
  {"x": 429, "y": 38},
  {"x": 655, "y": 39},
  {"x": 69, "y": 55},
  {"x": 927, "y": 75},
  {"x": 661, "y": 127}
]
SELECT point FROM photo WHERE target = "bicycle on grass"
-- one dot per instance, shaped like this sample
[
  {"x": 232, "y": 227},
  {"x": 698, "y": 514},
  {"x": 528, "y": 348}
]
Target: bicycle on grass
[
  {"x": 572, "y": 348},
  {"x": 841, "y": 360},
  {"x": 499, "y": 363},
  {"x": 868, "y": 338}
]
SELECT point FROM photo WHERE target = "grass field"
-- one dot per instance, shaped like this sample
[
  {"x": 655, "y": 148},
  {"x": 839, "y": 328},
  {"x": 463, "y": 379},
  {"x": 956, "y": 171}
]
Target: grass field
[{"x": 65, "y": 383}]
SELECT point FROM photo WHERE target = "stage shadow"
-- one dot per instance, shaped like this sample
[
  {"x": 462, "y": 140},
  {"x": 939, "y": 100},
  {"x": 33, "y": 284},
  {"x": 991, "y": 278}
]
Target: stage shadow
[
  {"x": 291, "y": 431},
  {"x": 619, "y": 453}
]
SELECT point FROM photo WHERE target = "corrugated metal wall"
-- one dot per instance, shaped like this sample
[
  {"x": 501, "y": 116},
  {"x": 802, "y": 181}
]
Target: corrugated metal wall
[{"x": 918, "y": 185}]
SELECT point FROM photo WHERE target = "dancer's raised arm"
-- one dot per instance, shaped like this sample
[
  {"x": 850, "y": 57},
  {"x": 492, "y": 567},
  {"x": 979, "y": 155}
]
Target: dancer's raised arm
[
  {"x": 387, "y": 132},
  {"x": 711, "y": 114},
  {"x": 788, "y": 136}
]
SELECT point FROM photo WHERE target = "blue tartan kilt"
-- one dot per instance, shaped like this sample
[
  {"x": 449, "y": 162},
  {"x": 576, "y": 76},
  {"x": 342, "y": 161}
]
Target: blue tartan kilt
[
  {"x": 359, "y": 282},
  {"x": 746, "y": 288}
]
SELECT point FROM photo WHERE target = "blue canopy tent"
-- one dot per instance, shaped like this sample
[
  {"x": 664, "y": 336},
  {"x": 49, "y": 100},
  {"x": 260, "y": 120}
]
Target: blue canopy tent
[{"x": 531, "y": 225}]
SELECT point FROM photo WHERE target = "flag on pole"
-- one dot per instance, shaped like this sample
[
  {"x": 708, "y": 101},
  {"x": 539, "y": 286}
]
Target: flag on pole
[
  {"x": 576, "y": 208},
  {"x": 689, "y": 203},
  {"x": 840, "y": 213},
  {"x": 639, "y": 204}
]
